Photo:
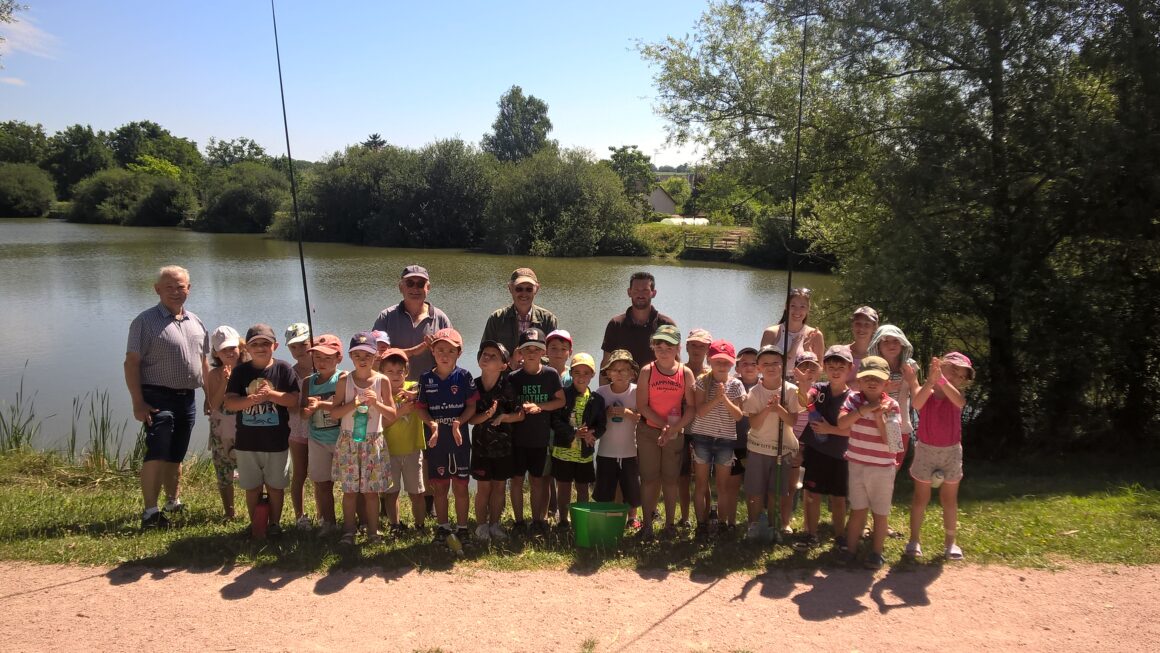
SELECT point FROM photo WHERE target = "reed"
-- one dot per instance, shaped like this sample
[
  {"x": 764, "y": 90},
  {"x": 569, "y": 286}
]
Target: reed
[{"x": 19, "y": 424}]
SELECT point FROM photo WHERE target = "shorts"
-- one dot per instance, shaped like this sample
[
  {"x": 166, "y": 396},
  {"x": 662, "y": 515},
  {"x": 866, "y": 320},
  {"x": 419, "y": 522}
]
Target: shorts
[
  {"x": 258, "y": 467},
  {"x": 928, "y": 458},
  {"x": 225, "y": 461},
  {"x": 299, "y": 429},
  {"x": 167, "y": 437},
  {"x": 738, "y": 468},
  {"x": 320, "y": 462},
  {"x": 406, "y": 474},
  {"x": 491, "y": 469},
  {"x": 712, "y": 451},
  {"x": 570, "y": 471},
  {"x": 361, "y": 467},
  {"x": 825, "y": 474},
  {"x": 871, "y": 487},
  {"x": 762, "y": 476},
  {"x": 657, "y": 462},
  {"x": 448, "y": 463},
  {"x": 532, "y": 461},
  {"x": 611, "y": 472}
]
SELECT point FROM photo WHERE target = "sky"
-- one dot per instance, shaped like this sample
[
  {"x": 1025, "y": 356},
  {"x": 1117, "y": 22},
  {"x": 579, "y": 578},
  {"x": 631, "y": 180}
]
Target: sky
[{"x": 413, "y": 72}]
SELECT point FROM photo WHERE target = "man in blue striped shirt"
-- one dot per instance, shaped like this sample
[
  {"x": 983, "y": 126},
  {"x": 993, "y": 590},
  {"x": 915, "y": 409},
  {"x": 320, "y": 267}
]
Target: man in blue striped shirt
[{"x": 165, "y": 363}]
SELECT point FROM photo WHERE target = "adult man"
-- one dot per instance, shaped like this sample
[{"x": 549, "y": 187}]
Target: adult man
[
  {"x": 632, "y": 329},
  {"x": 506, "y": 324},
  {"x": 411, "y": 324},
  {"x": 165, "y": 363}
]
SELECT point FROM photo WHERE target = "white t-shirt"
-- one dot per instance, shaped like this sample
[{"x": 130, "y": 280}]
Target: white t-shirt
[
  {"x": 763, "y": 439},
  {"x": 619, "y": 439}
]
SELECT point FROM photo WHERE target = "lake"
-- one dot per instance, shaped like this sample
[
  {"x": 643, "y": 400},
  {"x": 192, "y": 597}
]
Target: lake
[{"x": 69, "y": 291}]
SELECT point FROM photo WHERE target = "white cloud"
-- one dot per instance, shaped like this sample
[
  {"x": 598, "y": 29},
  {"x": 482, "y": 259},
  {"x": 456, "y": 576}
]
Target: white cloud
[
  {"x": 24, "y": 36},
  {"x": 12, "y": 81}
]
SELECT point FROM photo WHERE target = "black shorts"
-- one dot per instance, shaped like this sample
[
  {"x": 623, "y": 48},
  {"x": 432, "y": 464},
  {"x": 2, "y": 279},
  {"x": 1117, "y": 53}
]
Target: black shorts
[
  {"x": 573, "y": 472},
  {"x": 825, "y": 474},
  {"x": 529, "y": 460},
  {"x": 611, "y": 472},
  {"x": 738, "y": 468},
  {"x": 687, "y": 458},
  {"x": 491, "y": 469}
]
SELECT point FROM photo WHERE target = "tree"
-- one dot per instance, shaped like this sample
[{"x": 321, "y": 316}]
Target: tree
[
  {"x": 124, "y": 197},
  {"x": 679, "y": 189},
  {"x": 21, "y": 142},
  {"x": 75, "y": 153},
  {"x": 636, "y": 174},
  {"x": 374, "y": 142},
  {"x": 220, "y": 154},
  {"x": 7, "y": 9},
  {"x": 25, "y": 190},
  {"x": 243, "y": 198},
  {"x": 521, "y": 128},
  {"x": 131, "y": 141}
]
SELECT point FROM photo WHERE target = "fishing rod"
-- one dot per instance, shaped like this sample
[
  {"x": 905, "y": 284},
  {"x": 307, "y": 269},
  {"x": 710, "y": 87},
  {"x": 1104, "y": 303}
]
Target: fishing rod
[{"x": 293, "y": 180}]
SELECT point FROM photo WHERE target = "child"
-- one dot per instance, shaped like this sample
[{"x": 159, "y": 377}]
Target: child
[
  {"x": 826, "y": 472},
  {"x": 405, "y": 440},
  {"x": 559, "y": 352},
  {"x": 697, "y": 347},
  {"x": 446, "y": 403},
  {"x": 227, "y": 353},
  {"x": 319, "y": 389},
  {"x": 872, "y": 416},
  {"x": 771, "y": 441},
  {"x": 616, "y": 462},
  {"x": 364, "y": 403},
  {"x": 491, "y": 438},
  {"x": 665, "y": 398},
  {"x": 938, "y": 456},
  {"x": 890, "y": 343},
  {"x": 806, "y": 371},
  {"x": 540, "y": 392},
  {"x": 863, "y": 323},
  {"x": 575, "y": 429},
  {"x": 261, "y": 392},
  {"x": 298, "y": 341},
  {"x": 714, "y": 429},
  {"x": 746, "y": 371}
]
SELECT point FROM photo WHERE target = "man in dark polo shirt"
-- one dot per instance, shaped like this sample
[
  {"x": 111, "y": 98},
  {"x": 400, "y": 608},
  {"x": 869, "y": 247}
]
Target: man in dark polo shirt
[
  {"x": 412, "y": 323},
  {"x": 165, "y": 363},
  {"x": 506, "y": 324},
  {"x": 632, "y": 329}
]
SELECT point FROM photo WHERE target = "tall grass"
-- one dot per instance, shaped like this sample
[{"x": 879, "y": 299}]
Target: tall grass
[{"x": 19, "y": 424}]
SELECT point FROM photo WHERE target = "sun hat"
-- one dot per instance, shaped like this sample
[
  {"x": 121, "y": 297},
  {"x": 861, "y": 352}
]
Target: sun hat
[
  {"x": 583, "y": 359},
  {"x": 503, "y": 352},
  {"x": 667, "y": 333},
  {"x": 874, "y": 366},
  {"x": 448, "y": 335},
  {"x": 699, "y": 335},
  {"x": 621, "y": 355},
  {"x": 328, "y": 344},
  {"x": 261, "y": 332},
  {"x": 297, "y": 332},
  {"x": 841, "y": 352},
  {"x": 224, "y": 336},
  {"x": 722, "y": 350},
  {"x": 363, "y": 341}
]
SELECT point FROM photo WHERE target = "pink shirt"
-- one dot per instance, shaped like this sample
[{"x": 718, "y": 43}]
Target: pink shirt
[
  {"x": 666, "y": 393},
  {"x": 940, "y": 422},
  {"x": 867, "y": 446}
]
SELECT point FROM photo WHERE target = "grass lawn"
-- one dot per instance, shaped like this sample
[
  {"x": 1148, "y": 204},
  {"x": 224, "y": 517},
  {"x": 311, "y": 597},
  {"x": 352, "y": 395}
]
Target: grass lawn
[{"x": 56, "y": 512}]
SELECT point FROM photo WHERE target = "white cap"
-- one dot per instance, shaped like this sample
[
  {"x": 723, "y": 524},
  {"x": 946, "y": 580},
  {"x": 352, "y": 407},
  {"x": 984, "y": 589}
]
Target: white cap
[{"x": 224, "y": 336}]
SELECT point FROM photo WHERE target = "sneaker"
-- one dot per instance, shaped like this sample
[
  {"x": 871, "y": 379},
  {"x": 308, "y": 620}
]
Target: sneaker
[
  {"x": 463, "y": 534},
  {"x": 840, "y": 543},
  {"x": 274, "y": 530},
  {"x": 538, "y": 528},
  {"x": 375, "y": 539},
  {"x": 483, "y": 532},
  {"x": 874, "y": 561},
  {"x": 326, "y": 528},
  {"x": 398, "y": 530},
  {"x": 684, "y": 523},
  {"x": 646, "y": 534},
  {"x": 174, "y": 505},
  {"x": 635, "y": 524},
  {"x": 753, "y": 533},
  {"x": 808, "y": 541},
  {"x": 564, "y": 526},
  {"x": 303, "y": 523},
  {"x": 441, "y": 533},
  {"x": 347, "y": 539},
  {"x": 156, "y": 520},
  {"x": 520, "y": 527},
  {"x": 497, "y": 533},
  {"x": 669, "y": 532}
]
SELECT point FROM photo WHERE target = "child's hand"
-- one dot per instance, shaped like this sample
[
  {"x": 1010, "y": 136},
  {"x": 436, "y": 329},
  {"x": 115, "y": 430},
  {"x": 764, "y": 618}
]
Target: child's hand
[
  {"x": 434, "y": 439},
  {"x": 586, "y": 435},
  {"x": 719, "y": 389},
  {"x": 532, "y": 409},
  {"x": 409, "y": 395},
  {"x": 500, "y": 419},
  {"x": 370, "y": 397},
  {"x": 821, "y": 428},
  {"x": 935, "y": 372},
  {"x": 455, "y": 433},
  {"x": 226, "y": 370}
]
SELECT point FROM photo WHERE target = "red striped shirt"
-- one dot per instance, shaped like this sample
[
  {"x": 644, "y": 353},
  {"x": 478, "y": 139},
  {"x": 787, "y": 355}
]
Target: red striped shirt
[{"x": 867, "y": 445}]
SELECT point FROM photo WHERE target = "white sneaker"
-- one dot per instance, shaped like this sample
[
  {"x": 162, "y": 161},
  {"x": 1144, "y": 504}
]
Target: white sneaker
[
  {"x": 174, "y": 505},
  {"x": 753, "y": 533},
  {"x": 303, "y": 523},
  {"x": 482, "y": 533},
  {"x": 497, "y": 532}
]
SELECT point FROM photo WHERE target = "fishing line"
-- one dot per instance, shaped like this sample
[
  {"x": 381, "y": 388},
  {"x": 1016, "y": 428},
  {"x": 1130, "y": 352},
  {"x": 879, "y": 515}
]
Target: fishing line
[{"x": 293, "y": 180}]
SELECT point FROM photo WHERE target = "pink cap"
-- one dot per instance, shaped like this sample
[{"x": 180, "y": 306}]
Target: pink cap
[{"x": 722, "y": 350}]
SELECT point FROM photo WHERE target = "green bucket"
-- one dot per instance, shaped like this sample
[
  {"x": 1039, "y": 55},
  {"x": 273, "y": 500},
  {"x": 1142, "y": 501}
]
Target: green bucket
[{"x": 598, "y": 523}]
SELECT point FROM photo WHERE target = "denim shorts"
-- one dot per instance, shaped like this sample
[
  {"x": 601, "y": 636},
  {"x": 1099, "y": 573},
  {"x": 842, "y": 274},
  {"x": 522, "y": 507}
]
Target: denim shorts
[
  {"x": 167, "y": 438},
  {"x": 713, "y": 451}
]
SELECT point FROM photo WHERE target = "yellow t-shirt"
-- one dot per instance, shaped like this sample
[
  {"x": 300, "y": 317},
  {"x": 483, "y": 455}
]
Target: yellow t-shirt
[{"x": 405, "y": 436}]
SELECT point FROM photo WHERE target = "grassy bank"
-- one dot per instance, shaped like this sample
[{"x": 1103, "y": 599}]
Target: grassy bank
[
  {"x": 52, "y": 511},
  {"x": 668, "y": 241}
]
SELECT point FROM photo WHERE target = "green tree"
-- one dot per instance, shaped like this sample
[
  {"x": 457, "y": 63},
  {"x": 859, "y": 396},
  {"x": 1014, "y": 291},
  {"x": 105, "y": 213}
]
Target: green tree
[
  {"x": 679, "y": 189},
  {"x": 636, "y": 174},
  {"x": 521, "y": 128},
  {"x": 374, "y": 142},
  {"x": 243, "y": 198},
  {"x": 25, "y": 190},
  {"x": 21, "y": 142},
  {"x": 75, "y": 153},
  {"x": 132, "y": 198},
  {"x": 220, "y": 154},
  {"x": 133, "y": 140},
  {"x": 7, "y": 10}
]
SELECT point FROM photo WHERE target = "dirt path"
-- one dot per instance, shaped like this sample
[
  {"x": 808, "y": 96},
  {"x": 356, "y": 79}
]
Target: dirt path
[{"x": 54, "y": 608}]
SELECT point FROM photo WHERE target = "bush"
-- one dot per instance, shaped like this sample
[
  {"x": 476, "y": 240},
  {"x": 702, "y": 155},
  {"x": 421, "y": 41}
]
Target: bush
[
  {"x": 243, "y": 198},
  {"x": 25, "y": 190},
  {"x": 117, "y": 196}
]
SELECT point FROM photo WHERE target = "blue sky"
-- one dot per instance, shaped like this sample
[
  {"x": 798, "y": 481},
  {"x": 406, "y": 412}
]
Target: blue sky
[{"x": 411, "y": 71}]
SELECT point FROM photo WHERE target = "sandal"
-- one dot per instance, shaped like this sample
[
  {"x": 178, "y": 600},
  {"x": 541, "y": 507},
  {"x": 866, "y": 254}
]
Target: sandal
[
  {"x": 913, "y": 550},
  {"x": 807, "y": 543},
  {"x": 953, "y": 552},
  {"x": 347, "y": 538}
]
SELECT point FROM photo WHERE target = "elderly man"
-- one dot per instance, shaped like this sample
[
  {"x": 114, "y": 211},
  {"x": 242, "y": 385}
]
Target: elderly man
[
  {"x": 506, "y": 324},
  {"x": 165, "y": 363},
  {"x": 412, "y": 323},
  {"x": 633, "y": 329}
]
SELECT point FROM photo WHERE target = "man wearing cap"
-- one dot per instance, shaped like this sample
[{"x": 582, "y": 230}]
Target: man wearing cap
[
  {"x": 506, "y": 324},
  {"x": 165, "y": 363},
  {"x": 411, "y": 324},
  {"x": 633, "y": 329}
]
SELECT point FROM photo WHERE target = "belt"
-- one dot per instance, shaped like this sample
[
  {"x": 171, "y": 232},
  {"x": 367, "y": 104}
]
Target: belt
[{"x": 177, "y": 392}]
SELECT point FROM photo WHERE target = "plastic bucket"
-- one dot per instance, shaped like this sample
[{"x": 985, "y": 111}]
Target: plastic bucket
[{"x": 598, "y": 523}]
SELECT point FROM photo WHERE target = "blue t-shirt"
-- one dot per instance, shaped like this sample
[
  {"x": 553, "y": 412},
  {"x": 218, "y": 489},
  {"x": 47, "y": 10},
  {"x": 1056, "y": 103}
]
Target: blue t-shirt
[
  {"x": 323, "y": 428},
  {"x": 445, "y": 400}
]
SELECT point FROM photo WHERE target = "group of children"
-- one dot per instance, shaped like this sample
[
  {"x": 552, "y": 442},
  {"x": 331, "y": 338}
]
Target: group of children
[{"x": 753, "y": 419}]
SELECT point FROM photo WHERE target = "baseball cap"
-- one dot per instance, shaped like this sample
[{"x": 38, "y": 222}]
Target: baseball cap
[
  {"x": 524, "y": 274},
  {"x": 770, "y": 349},
  {"x": 448, "y": 335},
  {"x": 667, "y": 333},
  {"x": 722, "y": 350},
  {"x": 363, "y": 341},
  {"x": 382, "y": 337},
  {"x": 807, "y": 358},
  {"x": 328, "y": 344},
  {"x": 498, "y": 346},
  {"x": 415, "y": 271},
  {"x": 532, "y": 337},
  {"x": 395, "y": 352},
  {"x": 297, "y": 332},
  {"x": 841, "y": 352},
  {"x": 699, "y": 335},
  {"x": 867, "y": 312},
  {"x": 224, "y": 336},
  {"x": 746, "y": 350},
  {"x": 621, "y": 355},
  {"x": 561, "y": 334},
  {"x": 874, "y": 366},
  {"x": 261, "y": 332},
  {"x": 583, "y": 359}
]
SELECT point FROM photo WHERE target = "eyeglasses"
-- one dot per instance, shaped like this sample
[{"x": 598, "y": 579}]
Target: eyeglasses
[{"x": 414, "y": 283}]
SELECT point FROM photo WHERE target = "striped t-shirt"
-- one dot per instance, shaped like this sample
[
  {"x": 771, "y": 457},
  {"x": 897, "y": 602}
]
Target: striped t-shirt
[
  {"x": 718, "y": 423},
  {"x": 867, "y": 446}
]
